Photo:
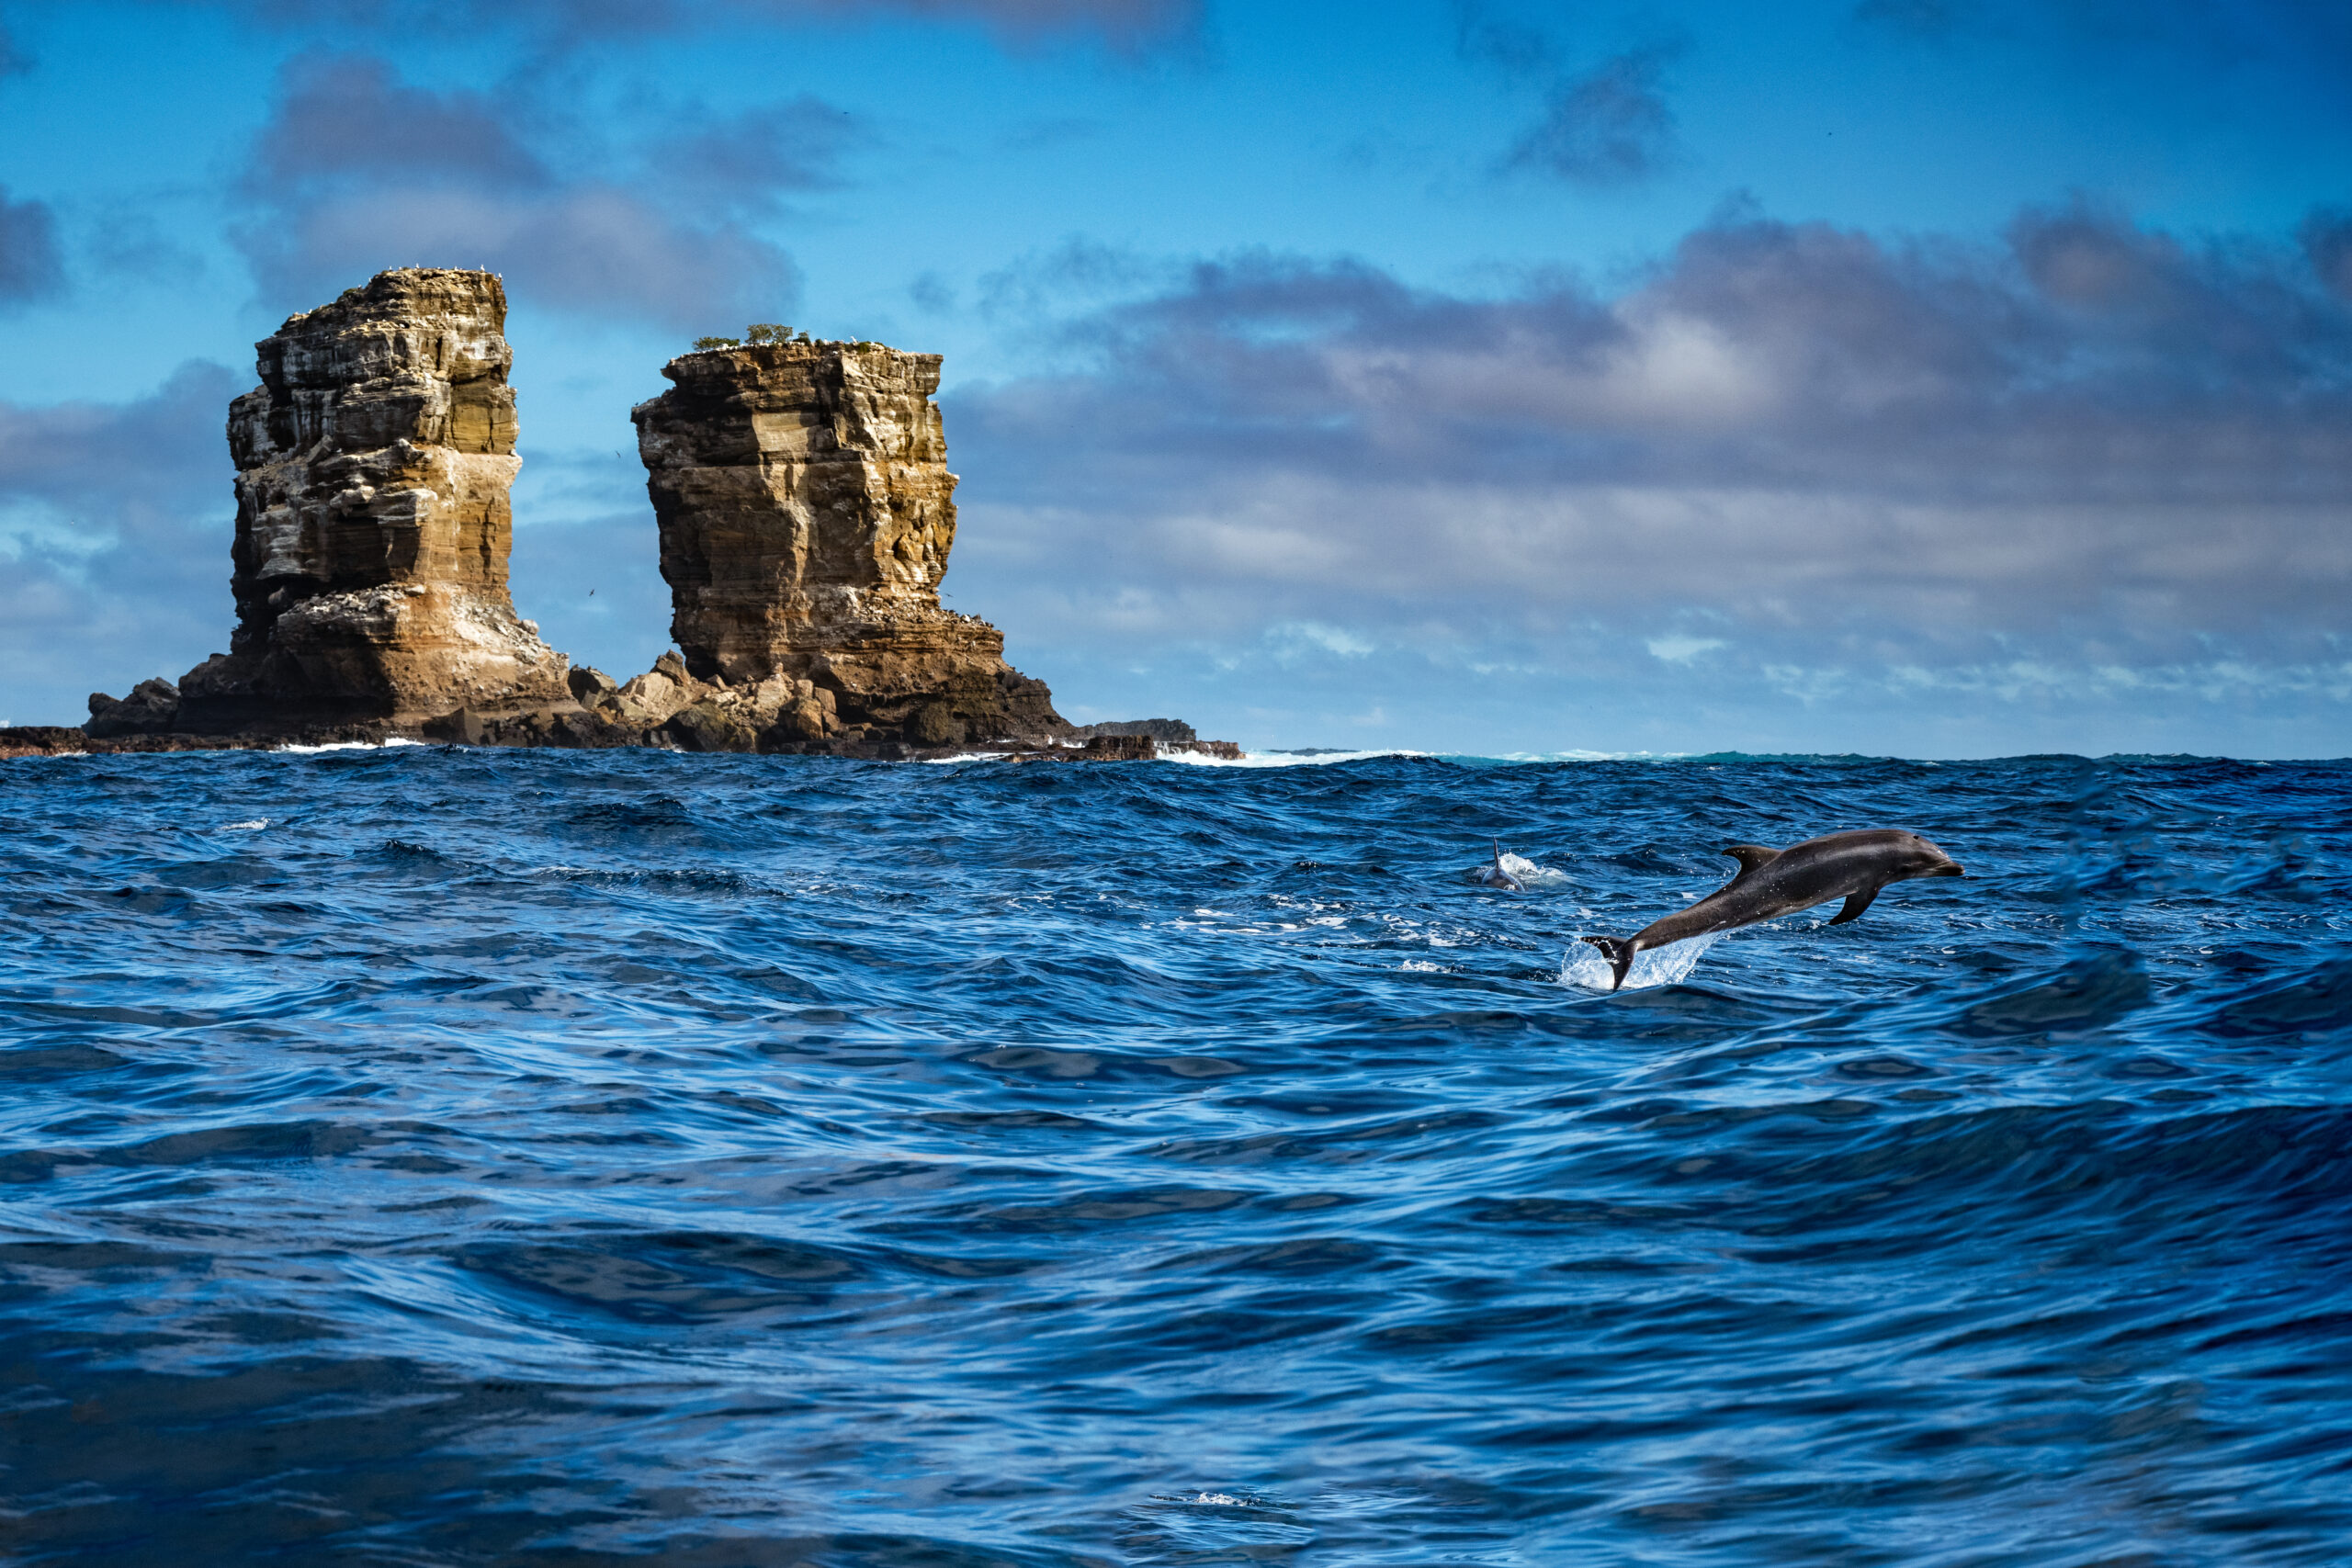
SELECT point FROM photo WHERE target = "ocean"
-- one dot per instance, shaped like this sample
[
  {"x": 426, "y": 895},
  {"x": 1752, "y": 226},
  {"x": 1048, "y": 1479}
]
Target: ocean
[{"x": 420, "y": 1157}]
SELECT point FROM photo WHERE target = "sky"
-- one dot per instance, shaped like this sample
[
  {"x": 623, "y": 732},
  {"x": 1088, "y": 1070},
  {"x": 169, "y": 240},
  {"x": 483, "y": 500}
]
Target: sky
[{"x": 1932, "y": 377}]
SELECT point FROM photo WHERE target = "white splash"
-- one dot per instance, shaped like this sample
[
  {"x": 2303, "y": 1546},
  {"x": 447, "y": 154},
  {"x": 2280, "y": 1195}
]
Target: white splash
[
  {"x": 1531, "y": 875},
  {"x": 348, "y": 745},
  {"x": 255, "y": 826},
  {"x": 1669, "y": 965},
  {"x": 1282, "y": 758},
  {"x": 1201, "y": 758}
]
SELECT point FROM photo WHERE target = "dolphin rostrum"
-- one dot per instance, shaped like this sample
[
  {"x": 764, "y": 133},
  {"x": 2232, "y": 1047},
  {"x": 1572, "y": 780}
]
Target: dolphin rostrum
[
  {"x": 1772, "y": 883},
  {"x": 1496, "y": 876}
]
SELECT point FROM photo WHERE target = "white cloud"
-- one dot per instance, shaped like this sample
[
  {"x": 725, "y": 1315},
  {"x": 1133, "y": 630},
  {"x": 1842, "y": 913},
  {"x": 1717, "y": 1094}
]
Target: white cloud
[
  {"x": 1683, "y": 650},
  {"x": 1299, "y": 636}
]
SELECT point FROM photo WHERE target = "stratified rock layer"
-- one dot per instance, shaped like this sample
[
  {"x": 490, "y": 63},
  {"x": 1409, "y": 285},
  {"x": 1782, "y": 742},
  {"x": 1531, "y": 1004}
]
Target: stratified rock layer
[
  {"x": 806, "y": 515},
  {"x": 373, "y": 526}
]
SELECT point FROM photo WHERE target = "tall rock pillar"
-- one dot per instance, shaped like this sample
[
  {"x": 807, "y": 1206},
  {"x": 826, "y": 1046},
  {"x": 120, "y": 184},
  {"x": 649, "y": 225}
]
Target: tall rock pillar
[
  {"x": 806, "y": 515},
  {"x": 373, "y": 525}
]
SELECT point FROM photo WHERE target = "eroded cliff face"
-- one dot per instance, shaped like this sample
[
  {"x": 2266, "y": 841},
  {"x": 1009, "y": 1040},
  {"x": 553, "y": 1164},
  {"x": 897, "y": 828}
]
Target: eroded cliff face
[
  {"x": 373, "y": 525},
  {"x": 806, "y": 515}
]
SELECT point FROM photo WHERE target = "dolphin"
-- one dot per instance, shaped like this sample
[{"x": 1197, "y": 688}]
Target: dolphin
[
  {"x": 1771, "y": 883},
  {"x": 1496, "y": 876}
]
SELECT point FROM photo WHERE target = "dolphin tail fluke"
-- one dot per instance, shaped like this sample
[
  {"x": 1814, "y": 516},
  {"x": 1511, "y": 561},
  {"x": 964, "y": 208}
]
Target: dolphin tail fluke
[{"x": 1620, "y": 954}]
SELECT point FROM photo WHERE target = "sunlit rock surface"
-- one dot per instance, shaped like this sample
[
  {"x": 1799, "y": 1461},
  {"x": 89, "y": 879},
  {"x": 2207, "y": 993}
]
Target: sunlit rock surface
[
  {"x": 373, "y": 526},
  {"x": 806, "y": 515}
]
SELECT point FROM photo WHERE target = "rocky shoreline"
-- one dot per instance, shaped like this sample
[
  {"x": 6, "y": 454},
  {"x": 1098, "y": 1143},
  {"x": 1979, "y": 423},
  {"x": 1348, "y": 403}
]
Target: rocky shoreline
[
  {"x": 61, "y": 740},
  {"x": 805, "y": 512}
]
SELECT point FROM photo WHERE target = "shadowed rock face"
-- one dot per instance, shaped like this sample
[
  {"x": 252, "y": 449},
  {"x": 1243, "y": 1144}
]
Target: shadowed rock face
[
  {"x": 373, "y": 527},
  {"x": 806, "y": 515}
]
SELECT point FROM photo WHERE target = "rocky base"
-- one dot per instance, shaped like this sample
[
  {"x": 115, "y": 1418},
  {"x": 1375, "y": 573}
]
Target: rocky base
[
  {"x": 1006, "y": 714},
  {"x": 576, "y": 730},
  {"x": 999, "y": 712}
]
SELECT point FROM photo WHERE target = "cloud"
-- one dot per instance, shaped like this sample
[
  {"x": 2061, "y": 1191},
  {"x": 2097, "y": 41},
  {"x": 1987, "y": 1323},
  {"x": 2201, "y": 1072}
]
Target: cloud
[
  {"x": 30, "y": 267},
  {"x": 357, "y": 171},
  {"x": 744, "y": 161},
  {"x": 114, "y": 532},
  {"x": 346, "y": 117},
  {"x": 1610, "y": 126},
  {"x": 1301, "y": 635},
  {"x": 2327, "y": 240},
  {"x": 1079, "y": 270},
  {"x": 1518, "y": 49},
  {"x": 1678, "y": 649},
  {"x": 1128, "y": 26},
  {"x": 2087, "y": 446},
  {"x": 2207, "y": 36}
]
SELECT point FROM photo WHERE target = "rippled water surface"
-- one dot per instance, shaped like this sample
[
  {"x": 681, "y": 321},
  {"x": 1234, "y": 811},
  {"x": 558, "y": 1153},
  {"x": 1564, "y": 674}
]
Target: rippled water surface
[{"x": 418, "y": 1157}]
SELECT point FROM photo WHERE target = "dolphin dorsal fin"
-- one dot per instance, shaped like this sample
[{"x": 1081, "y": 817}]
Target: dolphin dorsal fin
[{"x": 1751, "y": 857}]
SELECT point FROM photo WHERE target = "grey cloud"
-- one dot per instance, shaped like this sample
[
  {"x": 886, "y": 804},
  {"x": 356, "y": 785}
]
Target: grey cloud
[
  {"x": 1610, "y": 126},
  {"x": 2327, "y": 240},
  {"x": 745, "y": 160},
  {"x": 1123, "y": 25},
  {"x": 1123, "y": 22},
  {"x": 1607, "y": 124},
  {"x": 123, "y": 239},
  {"x": 2095, "y": 446},
  {"x": 114, "y": 531},
  {"x": 1076, "y": 271},
  {"x": 357, "y": 171},
  {"x": 932, "y": 294},
  {"x": 30, "y": 267},
  {"x": 1517, "y": 48},
  {"x": 2204, "y": 34},
  {"x": 343, "y": 117},
  {"x": 596, "y": 250}
]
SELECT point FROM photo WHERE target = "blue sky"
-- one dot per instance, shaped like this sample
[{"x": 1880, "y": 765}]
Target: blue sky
[{"x": 1940, "y": 376}]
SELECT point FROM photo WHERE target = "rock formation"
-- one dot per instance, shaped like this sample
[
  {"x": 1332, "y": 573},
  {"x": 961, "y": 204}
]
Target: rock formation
[
  {"x": 806, "y": 515},
  {"x": 373, "y": 464}
]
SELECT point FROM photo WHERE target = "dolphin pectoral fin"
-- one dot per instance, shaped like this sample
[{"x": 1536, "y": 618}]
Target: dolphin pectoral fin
[
  {"x": 1854, "y": 905},
  {"x": 1751, "y": 857},
  {"x": 1620, "y": 954}
]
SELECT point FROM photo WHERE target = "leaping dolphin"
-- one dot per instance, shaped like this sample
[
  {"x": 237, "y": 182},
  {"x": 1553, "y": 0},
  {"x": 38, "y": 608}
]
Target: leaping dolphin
[
  {"x": 1496, "y": 876},
  {"x": 1772, "y": 883}
]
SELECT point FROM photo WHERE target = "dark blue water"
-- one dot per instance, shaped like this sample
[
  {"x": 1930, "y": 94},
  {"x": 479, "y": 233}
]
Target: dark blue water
[{"x": 420, "y": 1158}]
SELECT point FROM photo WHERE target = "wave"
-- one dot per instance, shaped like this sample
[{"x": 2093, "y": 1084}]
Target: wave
[{"x": 396, "y": 1179}]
